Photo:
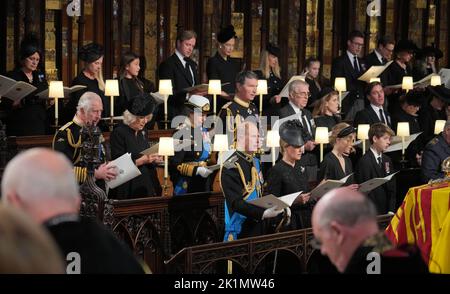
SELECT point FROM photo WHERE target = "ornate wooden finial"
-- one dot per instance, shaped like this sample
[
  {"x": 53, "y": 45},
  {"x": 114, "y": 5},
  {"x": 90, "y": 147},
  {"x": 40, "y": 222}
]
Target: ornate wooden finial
[{"x": 93, "y": 197}]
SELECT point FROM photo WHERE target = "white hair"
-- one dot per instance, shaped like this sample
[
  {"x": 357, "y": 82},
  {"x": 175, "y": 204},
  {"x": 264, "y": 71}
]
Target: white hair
[
  {"x": 447, "y": 124},
  {"x": 38, "y": 176},
  {"x": 128, "y": 118},
  {"x": 296, "y": 83},
  {"x": 86, "y": 101}
]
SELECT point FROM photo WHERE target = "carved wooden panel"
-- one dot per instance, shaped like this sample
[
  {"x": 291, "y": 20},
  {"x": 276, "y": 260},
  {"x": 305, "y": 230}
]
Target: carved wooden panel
[
  {"x": 390, "y": 29},
  {"x": 125, "y": 29},
  {"x": 256, "y": 15},
  {"x": 150, "y": 38},
  {"x": 174, "y": 25},
  {"x": 10, "y": 36},
  {"x": 293, "y": 39},
  {"x": 327, "y": 38},
  {"x": 374, "y": 31},
  {"x": 51, "y": 70},
  {"x": 415, "y": 22},
  {"x": 312, "y": 32},
  {"x": 237, "y": 20},
  {"x": 444, "y": 31},
  {"x": 431, "y": 30}
]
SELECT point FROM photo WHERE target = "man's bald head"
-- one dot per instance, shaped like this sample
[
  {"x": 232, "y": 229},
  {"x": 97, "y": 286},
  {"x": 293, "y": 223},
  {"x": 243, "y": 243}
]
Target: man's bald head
[
  {"x": 39, "y": 179},
  {"x": 343, "y": 205},
  {"x": 341, "y": 221}
]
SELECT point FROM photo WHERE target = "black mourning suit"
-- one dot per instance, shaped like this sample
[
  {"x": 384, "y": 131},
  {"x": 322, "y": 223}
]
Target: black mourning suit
[
  {"x": 309, "y": 159},
  {"x": 372, "y": 60},
  {"x": 368, "y": 168},
  {"x": 173, "y": 69},
  {"x": 368, "y": 116},
  {"x": 100, "y": 251},
  {"x": 343, "y": 67}
]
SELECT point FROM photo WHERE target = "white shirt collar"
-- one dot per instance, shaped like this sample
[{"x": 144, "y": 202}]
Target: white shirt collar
[
  {"x": 375, "y": 153},
  {"x": 295, "y": 107},
  {"x": 181, "y": 57},
  {"x": 379, "y": 56},
  {"x": 351, "y": 56},
  {"x": 376, "y": 108}
]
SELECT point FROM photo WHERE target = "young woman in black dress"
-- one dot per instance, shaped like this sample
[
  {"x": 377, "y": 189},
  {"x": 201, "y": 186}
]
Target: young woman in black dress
[{"x": 336, "y": 164}]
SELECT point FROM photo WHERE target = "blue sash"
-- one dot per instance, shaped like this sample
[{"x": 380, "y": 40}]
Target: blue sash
[
  {"x": 182, "y": 185},
  {"x": 233, "y": 222}
]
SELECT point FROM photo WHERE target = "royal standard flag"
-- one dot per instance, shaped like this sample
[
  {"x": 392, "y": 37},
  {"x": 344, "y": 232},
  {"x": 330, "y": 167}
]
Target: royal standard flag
[{"x": 423, "y": 219}]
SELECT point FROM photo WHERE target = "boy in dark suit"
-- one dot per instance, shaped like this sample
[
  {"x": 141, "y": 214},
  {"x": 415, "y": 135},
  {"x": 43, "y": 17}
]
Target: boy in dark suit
[{"x": 375, "y": 164}]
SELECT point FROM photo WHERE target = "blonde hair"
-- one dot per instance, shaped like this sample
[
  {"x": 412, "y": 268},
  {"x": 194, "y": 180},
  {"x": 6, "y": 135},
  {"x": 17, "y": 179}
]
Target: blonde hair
[
  {"x": 265, "y": 67},
  {"x": 26, "y": 247},
  {"x": 283, "y": 145},
  {"x": 320, "y": 107}
]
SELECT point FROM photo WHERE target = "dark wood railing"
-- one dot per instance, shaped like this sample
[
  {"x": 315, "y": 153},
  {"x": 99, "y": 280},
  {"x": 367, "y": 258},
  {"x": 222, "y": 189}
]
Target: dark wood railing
[
  {"x": 250, "y": 255},
  {"x": 158, "y": 227}
]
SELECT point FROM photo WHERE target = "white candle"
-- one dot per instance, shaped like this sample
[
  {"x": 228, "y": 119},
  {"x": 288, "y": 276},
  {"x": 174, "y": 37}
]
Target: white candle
[
  {"x": 112, "y": 106},
  {"x": 56, "y": 108},
  {"x": 273, "y": 155},
  {"x": 165, "y": 106},
  {"x": 260, "y": 103},
  {"x": 166, "y": 166}
]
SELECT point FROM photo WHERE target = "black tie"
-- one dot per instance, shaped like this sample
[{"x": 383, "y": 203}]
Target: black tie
[
  {"x": 382, "y": 116},
  {"x": 380, "y": 162},
  {"x": 355, "y": 63},
  {"x": 188, "y": 71},
  {"x": 383, "y": 61}
]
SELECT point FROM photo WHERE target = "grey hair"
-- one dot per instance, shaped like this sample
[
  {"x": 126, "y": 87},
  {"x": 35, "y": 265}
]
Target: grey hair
[
  {"x": 447, "y": 124},
  {"x": 86, "y": 101},
  {"x": 243, "y": 75},
  {"x": 40, "y": 174},
  {"x": 348, "y": 212},
  {"x": 294, "y": 84},
  {"x": 128, "y": 118}
]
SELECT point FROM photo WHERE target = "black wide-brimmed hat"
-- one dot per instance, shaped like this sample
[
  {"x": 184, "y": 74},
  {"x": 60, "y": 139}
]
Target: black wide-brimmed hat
[
  {"x": 226, "y": 34},
  {"x": 90, "y": 52},
  {"x": 440, "y": 92},
  {"x": 29, "y": 46},
  {"x": 291, "y": 132},
  {"x": 431, "y": 51},
  {"x": 141, "y": 105},
  {"x": 413, "y": 98},
  {"x": 272, "y": 49},
  {"x": 406, "y": 45}
]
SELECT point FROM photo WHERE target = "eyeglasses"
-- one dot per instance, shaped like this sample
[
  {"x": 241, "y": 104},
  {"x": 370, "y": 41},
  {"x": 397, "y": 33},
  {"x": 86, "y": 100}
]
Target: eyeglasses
[
  {"x": 358, "y": 44},
  {"x": 301, "y": 94},
  {"x": 315, "y": 243}
]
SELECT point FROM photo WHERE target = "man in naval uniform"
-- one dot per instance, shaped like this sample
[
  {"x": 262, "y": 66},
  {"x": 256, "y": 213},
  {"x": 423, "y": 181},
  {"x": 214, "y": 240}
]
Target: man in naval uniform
[
  {"x": 187, "y": 167},
  {"x": 241, "y": 107},
  {"x": 435, "y": 152},
  {"x": 68, "y": 138},
  {"x": 241, "y": 183}
]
